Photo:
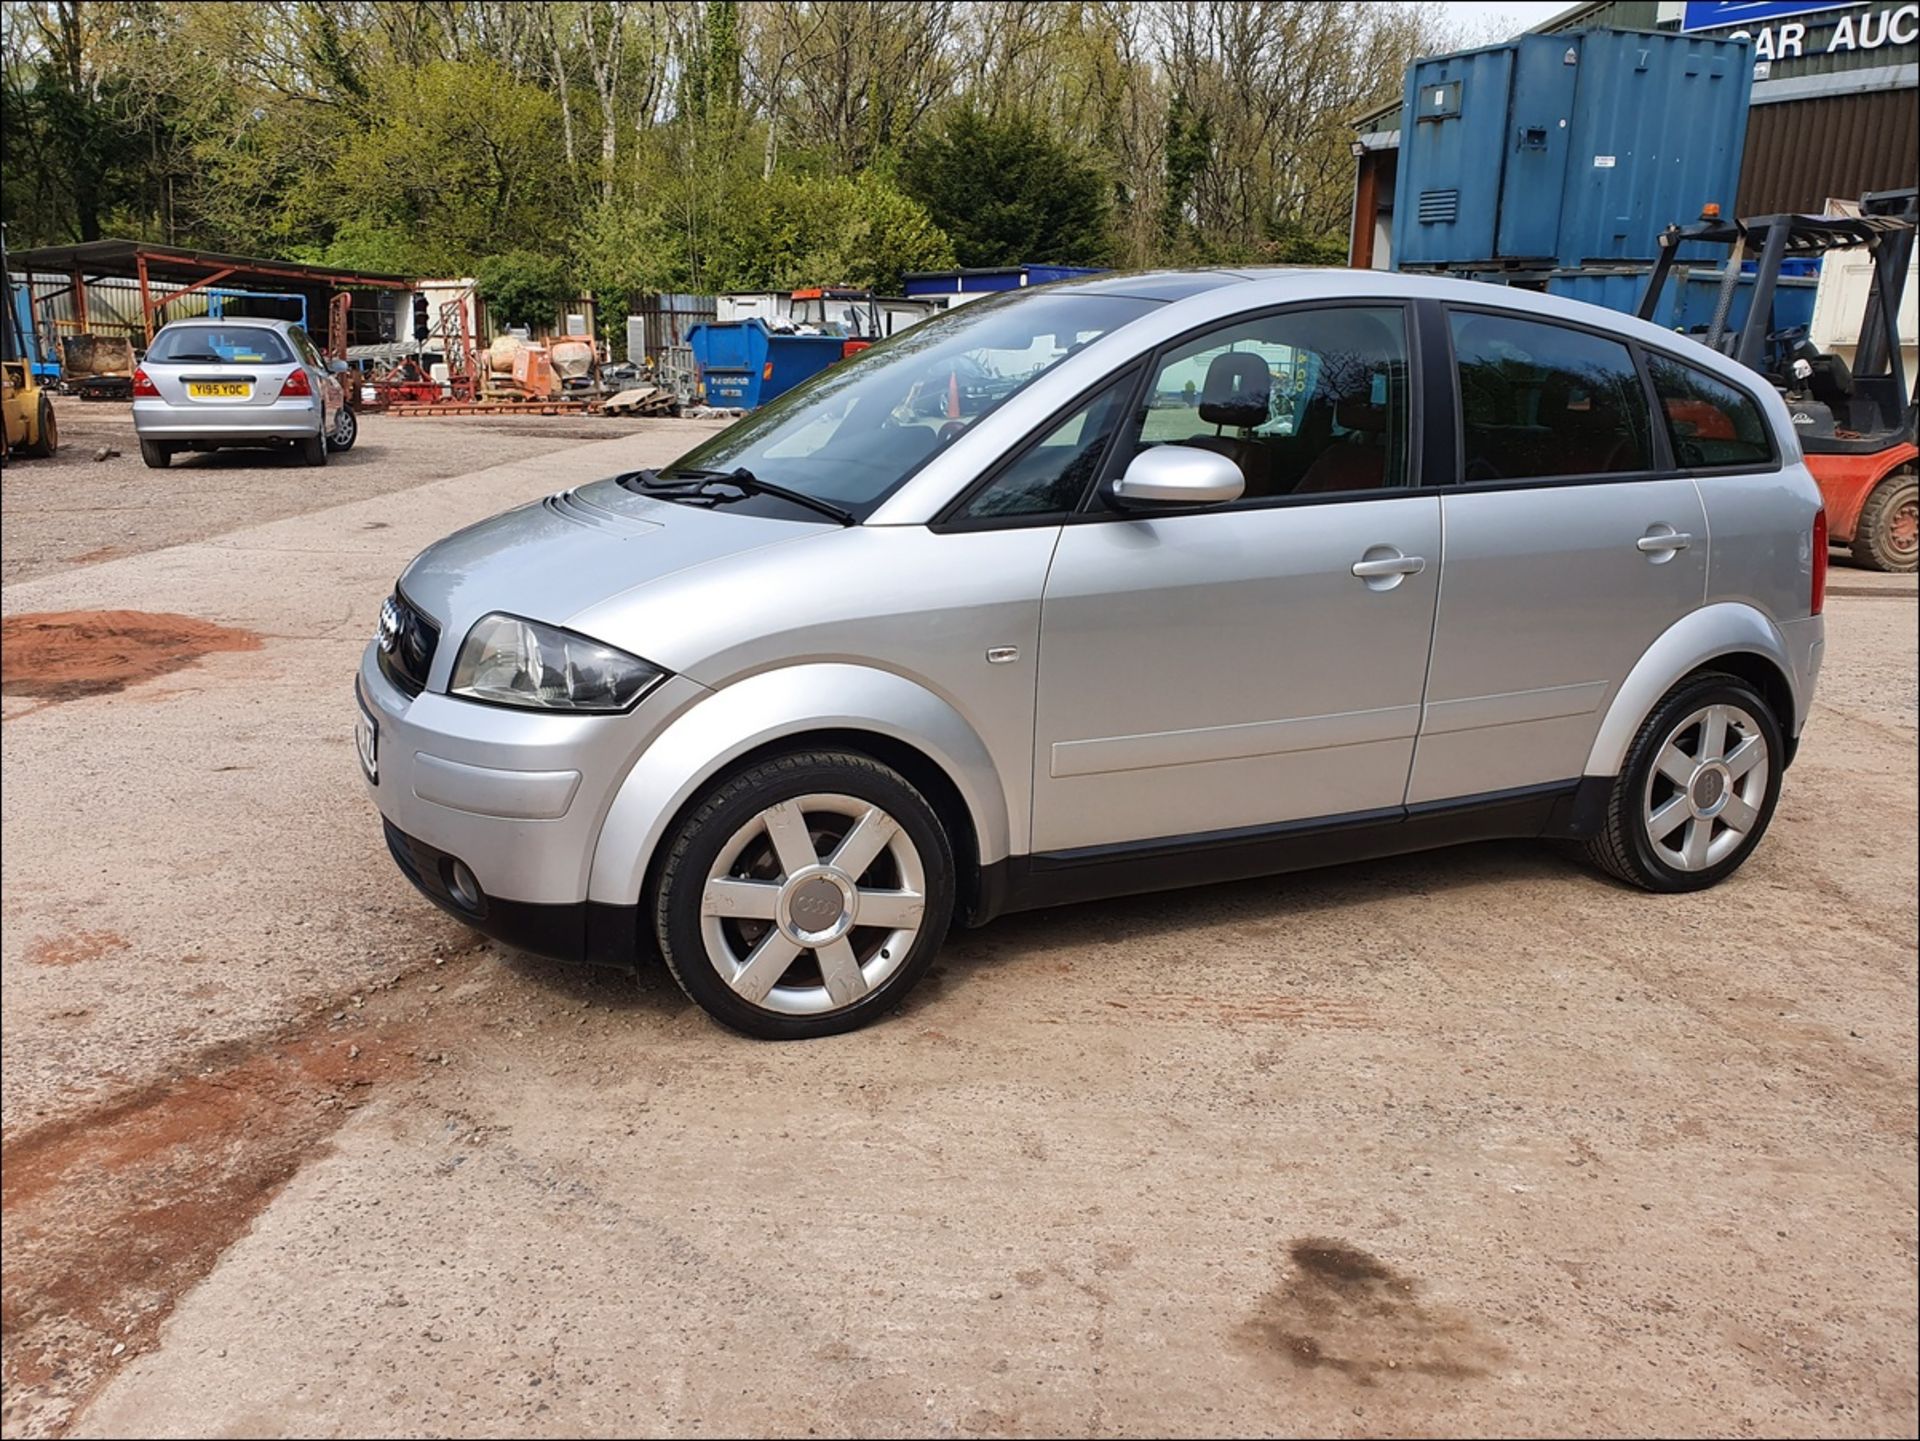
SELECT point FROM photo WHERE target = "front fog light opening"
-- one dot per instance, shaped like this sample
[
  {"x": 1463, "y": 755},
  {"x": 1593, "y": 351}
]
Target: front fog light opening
[{"x": 463, "y": 886}]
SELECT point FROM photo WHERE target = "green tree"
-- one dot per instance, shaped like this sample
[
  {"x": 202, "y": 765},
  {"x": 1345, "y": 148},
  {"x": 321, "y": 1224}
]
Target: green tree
[
  {"x": 1007, "y": 191},
  {"x": 522, "y": 288},
  {"x": 791, "y": 231}
]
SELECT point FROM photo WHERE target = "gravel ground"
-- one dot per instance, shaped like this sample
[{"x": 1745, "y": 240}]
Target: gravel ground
[
  {"x": 1473, "y": 1141},
  {"x": 75, "y": 510}
]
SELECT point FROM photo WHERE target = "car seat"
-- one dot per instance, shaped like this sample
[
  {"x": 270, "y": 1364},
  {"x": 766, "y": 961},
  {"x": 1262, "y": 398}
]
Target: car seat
[{"x": 1238, "y": 392}]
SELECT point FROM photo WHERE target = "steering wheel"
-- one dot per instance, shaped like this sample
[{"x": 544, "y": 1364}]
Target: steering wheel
[{"x": 951, "y": 431}]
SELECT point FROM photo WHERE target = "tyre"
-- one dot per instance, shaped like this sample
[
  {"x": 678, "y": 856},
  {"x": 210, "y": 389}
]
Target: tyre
[
  {"x": 346, "y": 430},
  {"x": 1698, "y": 789},
  {"x": 313, "y": 450},
  {"x": 804, "y": 895},
  {"x": 1888, "y": 535},
  {"x": 157, "y": 454},
  {"x": 47, "y": 432}
]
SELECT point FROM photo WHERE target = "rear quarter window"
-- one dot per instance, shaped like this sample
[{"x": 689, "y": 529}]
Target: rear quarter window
[{"x": 1710, "y": 422}]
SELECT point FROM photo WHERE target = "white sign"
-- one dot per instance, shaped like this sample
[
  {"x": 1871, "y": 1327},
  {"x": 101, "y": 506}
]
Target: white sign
[
  {"x": 1788, "y": 40},
  {"x": 1603, "y": 162}
]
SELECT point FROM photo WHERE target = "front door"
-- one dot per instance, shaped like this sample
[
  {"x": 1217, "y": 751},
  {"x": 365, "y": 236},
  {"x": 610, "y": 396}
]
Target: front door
[{"x": 1209, "y": 671}]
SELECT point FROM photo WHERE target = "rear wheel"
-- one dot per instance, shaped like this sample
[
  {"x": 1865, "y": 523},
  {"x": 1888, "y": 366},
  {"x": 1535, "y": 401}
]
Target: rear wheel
[
  {"x": 1698, "y": 789},
  {"x": 1888, "y": 536},
  {"x": 346, "y": 429},
  {"x": 47, "y": 437},
  {"x": 157, "y": 454},
  {"x": 313, "y": 450},
  {"x": 804, "y": 896}
]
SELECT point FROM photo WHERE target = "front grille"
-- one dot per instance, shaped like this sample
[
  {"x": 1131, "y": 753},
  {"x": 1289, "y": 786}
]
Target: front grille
[{"x": 407, "y": 640}]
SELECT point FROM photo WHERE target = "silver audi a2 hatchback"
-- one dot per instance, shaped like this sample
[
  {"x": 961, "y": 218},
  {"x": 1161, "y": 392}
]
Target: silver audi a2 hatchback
[{"x": 1109, "y": 586}]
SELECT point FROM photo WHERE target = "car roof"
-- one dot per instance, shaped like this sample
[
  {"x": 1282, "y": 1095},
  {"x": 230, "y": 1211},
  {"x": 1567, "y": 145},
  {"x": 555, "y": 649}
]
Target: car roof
[{"x": 265, "y": 322}]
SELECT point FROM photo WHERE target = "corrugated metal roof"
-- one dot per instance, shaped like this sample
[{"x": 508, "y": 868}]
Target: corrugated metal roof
[
  {"x": 1837, "y": 145},
  {"x": 178, "y": 262}
]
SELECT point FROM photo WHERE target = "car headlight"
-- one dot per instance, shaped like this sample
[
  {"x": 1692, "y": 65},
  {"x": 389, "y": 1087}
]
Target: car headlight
[{"x": 510, "y": 661}]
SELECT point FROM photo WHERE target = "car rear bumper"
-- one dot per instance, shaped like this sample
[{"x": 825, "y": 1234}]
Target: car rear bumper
[{"x": 238, "y": 424}]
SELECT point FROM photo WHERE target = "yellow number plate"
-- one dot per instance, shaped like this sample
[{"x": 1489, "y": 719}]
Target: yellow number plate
[{"x": 219, "y": 389}]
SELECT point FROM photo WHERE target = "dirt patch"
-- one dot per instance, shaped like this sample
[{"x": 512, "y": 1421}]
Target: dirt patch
[
  {"x": 1338, "y": 1308},
  {"x": 98, "y": 554},
  {"x": 110, "y": 1216},
  {"x": 72, "y": 950},
  {"x": 63, "y": 655}
]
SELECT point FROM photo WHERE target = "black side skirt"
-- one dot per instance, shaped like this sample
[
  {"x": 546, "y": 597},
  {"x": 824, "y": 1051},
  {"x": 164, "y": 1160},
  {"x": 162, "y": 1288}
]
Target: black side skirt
[{"x": 1572, "y": 809}]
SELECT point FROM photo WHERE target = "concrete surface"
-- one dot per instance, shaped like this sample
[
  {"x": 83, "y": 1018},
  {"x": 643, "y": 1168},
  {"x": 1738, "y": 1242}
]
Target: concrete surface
[
  {"x": 75, "y": 510},
  {"x": 1467, "y": 1142}
]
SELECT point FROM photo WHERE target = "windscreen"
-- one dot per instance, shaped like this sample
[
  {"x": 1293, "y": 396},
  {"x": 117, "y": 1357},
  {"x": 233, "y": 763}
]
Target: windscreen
[
  {"x": 857, "y": 430},
  {"x": 215, "y": 344}
]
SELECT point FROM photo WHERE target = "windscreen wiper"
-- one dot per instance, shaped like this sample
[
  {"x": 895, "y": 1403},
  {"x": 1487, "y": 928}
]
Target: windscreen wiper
[{"x": 741, "y": 479}]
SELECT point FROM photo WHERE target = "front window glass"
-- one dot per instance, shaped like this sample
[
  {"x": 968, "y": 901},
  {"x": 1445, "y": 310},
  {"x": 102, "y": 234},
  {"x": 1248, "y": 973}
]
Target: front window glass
[
  {"x": 1050, "y": 478},
  {"x": 856, "y": 431},
  {"x": 1540, "y": 400},
  {"x": 218, "y": 345},
  {"x": 1305, "y": 402}
]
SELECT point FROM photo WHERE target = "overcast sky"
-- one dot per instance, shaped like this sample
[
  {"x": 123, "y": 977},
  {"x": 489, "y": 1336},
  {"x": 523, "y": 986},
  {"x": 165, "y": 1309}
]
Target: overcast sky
[{"x": 1491, "y": 20}]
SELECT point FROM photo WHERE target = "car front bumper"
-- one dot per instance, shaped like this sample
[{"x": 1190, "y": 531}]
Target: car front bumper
[
  {"x": 232, "y": 424},
  {"x": 517, "y": 797}
]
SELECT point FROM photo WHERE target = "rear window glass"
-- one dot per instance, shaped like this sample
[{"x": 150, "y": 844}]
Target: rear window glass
[
  {"x": 1711, "y": 423},
  {"x": 1540, "y": 400},
  {"x": 219, "y": 345}
]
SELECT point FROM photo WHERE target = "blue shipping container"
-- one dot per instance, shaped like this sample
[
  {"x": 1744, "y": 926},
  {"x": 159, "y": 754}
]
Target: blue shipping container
[
  {"x": 743, "y": 363},
  {"x": 1562, "y": 149},
  {"x": 1686, "y": 304}
]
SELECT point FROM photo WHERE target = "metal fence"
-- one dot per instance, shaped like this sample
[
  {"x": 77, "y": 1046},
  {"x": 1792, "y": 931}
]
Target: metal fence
[{"x": 661, "y": 326}]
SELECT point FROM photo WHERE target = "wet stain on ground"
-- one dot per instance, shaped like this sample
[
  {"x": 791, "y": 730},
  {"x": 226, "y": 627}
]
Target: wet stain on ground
[
  {"x": 1340, "y": 1309},
  {"x": 65, "y": 655}
]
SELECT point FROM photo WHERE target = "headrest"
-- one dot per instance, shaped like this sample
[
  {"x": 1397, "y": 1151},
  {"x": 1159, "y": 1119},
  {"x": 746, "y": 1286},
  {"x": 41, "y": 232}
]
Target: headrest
[
  {"x": 1237, "y": 390},
  {"x": 1359, "y": 415}
]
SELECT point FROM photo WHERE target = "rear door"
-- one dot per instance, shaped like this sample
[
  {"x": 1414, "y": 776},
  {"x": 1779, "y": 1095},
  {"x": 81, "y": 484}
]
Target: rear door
[{"x": 1570, "y": 548}]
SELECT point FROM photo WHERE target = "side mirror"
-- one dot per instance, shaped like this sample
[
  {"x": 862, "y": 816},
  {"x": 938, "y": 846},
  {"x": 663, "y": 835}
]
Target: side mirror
[
  {"x": 337, "y": 367},
  {"x": 1181, "y": 475}
]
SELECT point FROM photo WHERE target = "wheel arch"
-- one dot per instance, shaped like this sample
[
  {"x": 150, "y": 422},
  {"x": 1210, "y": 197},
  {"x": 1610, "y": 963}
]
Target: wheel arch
[
  {"x": 886, "y": 716},
  {"x": 1730, "y": 636}
]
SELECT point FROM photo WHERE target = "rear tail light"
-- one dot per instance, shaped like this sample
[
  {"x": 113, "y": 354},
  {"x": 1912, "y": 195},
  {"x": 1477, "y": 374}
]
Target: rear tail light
[
  {"x": 143, "y": 386},
  {"x": 1819, "y": 561},
  {"x": 296, "y": 384}
]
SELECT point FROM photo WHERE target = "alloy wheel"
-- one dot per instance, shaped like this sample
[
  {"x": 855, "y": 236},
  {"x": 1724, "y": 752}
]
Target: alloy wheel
[
  {"x": 813, "y": 904},
  {"x": 1707, "y": 788}
]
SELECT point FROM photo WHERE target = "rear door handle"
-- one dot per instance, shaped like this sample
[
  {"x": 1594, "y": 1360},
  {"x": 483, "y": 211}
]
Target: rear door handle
[
  {"x": 1390, "y": 565},
  {"x": 1664, "y": 540}
]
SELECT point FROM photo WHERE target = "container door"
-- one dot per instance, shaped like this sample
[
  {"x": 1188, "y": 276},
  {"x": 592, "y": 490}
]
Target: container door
[
  {"x": 1538, "y": 119},
  {"x": 1451, "y": 146}
]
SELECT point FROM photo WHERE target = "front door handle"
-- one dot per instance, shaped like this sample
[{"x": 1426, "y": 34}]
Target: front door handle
[{"x": 1389, "y": 565}]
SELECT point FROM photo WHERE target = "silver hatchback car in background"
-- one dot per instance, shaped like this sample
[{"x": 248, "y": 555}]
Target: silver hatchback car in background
[
  {"x": 1109, "y": 586},
  {"x": 209, "y": 384}
]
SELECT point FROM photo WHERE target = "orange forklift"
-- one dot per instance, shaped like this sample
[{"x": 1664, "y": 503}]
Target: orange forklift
[{"x": 1856, "y": 422}]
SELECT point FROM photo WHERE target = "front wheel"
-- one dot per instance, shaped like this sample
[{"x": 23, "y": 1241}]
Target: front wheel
[
  {"x": 1698, "y": 789},
  {"x": 47, "y": 432},
  {"x": 1888, "y": 536},
  {"x": 805, "y": 895}
]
